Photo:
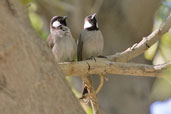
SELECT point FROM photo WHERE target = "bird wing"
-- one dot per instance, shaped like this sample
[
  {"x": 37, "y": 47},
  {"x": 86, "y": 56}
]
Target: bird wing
[
  {"x": 50, "y": 41},
  {"x": 79, "y": 48}
]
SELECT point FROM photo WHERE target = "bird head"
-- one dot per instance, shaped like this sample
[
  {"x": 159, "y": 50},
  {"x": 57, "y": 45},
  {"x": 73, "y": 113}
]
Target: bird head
[
  {"x": 58, "y": 21},
  {"x": 90, "y": 22}
]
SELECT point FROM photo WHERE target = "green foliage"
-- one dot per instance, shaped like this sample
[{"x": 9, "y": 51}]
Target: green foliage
[
  {"x": 160, "y": 53},
  {"x": 162, "y": 87},
  {"x": 36, "y": 21},
  {"x": 25, "y": 2},
  {"x": 150, "y": 53}
]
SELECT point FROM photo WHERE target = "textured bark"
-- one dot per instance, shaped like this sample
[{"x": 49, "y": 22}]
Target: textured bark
[
  {"x": 30, "y": 80},
  {"x": 103, "y": 66}
]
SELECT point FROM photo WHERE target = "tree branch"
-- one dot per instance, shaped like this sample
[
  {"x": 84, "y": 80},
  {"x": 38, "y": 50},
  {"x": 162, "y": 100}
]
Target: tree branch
[
  {"x": 144, "y": 44},
  {"x": 108, "y": 67},
  {"x": 92, "y": 96}
]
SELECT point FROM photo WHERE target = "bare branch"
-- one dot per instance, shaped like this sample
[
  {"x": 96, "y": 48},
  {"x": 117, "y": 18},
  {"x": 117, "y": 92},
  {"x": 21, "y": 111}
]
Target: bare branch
[
  {"x": 101, "y": 84},
  {"x": 92, "y": 96},
  {"x": 144, "y": 44},
  {"x": 108, "y": 67}
]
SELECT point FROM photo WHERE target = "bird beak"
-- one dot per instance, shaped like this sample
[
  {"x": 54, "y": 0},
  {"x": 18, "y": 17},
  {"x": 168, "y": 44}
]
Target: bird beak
[
  {"x": 92, "y": 16},
  {"x": 65, "y": 17}
]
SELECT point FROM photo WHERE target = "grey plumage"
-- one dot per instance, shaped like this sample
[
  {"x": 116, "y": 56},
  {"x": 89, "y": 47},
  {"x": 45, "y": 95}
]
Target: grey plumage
[
  {"x": 90, "y": 42},
  {"x": 61, "y": 42}
]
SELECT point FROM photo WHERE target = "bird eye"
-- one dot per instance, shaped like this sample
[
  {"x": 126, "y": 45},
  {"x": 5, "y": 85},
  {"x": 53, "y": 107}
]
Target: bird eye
[{"x": 60, "y": 27}]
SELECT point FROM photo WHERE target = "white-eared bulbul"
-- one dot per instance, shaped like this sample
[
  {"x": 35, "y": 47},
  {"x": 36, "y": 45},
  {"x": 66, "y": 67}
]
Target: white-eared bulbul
[{"x": 60, "y": 40}]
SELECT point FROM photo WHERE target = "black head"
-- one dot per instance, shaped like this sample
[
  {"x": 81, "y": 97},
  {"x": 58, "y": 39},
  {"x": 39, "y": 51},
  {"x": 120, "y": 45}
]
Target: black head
[
  {"x": 90, "y": 23},
  {"x": 57, "y": 21}
]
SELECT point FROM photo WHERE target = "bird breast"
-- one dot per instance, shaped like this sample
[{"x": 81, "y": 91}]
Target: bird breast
[
  {"x": 65, "y": 47},
  {"x": 92, "y": 43}
]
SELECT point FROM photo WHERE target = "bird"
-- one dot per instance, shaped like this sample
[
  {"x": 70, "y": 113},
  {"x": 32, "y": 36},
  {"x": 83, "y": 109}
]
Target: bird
[
  {"x": 60, "y": 40},
  {"x": 91, "y": 42}
]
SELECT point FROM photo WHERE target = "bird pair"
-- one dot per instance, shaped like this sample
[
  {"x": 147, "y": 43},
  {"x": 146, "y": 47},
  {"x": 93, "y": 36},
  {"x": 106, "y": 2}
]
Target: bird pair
[{"x": 60, "y": 40}]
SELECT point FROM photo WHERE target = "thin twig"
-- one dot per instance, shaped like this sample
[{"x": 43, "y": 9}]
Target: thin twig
[
  {"x": 144, "y": 44},
  {"x": 101, "y": 84},
  {"x": 92, "y": 94}
]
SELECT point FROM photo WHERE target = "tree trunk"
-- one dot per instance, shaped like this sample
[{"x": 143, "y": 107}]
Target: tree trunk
[{"x": 30, "y": 80}]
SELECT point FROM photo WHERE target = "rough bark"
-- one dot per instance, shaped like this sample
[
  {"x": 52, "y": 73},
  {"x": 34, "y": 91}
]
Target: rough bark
[
  {"x": 105, "y": 67},
  {"x": 30, "y": 80}
]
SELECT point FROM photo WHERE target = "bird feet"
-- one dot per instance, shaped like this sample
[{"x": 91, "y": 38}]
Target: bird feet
[
  {"x": 101, "y": 56},
  {"x": 92, "y": 57}
]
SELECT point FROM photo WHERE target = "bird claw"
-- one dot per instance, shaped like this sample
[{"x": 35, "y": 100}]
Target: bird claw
[
  {"x": 101, "y": 56},
  {"x": 88, "y": 66},
  {"x": 92, "y": 57}
]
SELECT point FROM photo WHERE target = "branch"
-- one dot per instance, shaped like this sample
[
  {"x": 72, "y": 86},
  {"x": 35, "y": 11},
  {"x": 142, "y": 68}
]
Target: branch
[
  {"x": 140, "y": 47},
  {"x": 103, "y": 66},
  {"x": 92, "y": 96}
]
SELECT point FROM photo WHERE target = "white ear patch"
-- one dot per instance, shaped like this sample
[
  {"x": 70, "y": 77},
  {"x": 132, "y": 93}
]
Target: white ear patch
[
  {"x": 87, "y": 24},
  {"x": 56, "y": 24}
]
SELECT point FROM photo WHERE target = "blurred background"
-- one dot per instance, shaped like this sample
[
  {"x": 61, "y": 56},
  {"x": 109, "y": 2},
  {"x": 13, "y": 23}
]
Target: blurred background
[{"x": 122, "y": 23}]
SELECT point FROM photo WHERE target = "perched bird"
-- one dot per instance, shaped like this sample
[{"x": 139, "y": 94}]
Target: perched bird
[
  {"x": 90, "y": 43},
  {"x": 60, "y": 40}
]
